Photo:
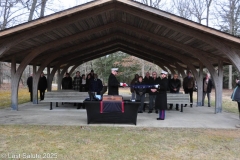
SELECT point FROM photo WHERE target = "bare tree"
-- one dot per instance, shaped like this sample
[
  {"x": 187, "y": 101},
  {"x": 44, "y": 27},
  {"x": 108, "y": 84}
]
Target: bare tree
[
  {"x": 198, "y": 9},
  {"x": 208, "y": 3},
  {"x": 183, "y": 8},
  {"x": 153, "y": 3},
  {"x": 228, "y": 14}
]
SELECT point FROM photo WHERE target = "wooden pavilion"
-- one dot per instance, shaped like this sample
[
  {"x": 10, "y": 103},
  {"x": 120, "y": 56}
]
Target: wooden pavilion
[{"x": 69, "y": 38}]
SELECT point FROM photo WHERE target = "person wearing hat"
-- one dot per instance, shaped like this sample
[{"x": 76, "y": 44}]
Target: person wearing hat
[
  {"x": 188, "y": 85},
  {"x": 161, "y": 98},
  {"x": 113, "y": 83}
]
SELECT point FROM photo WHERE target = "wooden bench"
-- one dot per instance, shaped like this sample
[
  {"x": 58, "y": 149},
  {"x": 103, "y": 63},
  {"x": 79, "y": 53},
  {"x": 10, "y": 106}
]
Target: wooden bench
[
  {"x": 70, "y": 96},
  {"x": 172, "y": 98}
]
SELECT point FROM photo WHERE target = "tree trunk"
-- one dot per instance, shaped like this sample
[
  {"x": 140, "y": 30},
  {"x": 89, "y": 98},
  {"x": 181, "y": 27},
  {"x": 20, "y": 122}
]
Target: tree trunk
[
  {"x": 33, "y": 7},
  {"x": 43, "y": 6},
  {"x": 230, "y": 77}
]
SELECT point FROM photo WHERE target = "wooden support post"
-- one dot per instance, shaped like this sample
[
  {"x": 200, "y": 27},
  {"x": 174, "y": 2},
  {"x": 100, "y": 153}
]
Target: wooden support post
[
  {"x": 35, "y": 85},
  {"x": 219, "y": 88},
  {"x": 14, "y": 86},
  {"x": 49, "y": 87},
  {"x": 59, "y": 79},
  {"x": 200, "y": 85}
]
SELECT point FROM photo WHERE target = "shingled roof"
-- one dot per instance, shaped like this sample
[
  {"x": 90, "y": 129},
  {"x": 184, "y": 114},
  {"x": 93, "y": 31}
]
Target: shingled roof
[{"x": 102, "y": 27}]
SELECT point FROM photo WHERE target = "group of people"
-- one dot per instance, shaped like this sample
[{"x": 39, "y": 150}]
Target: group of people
[
  {"x": 157, "y": 93},
  {"x": 42, "y": 86},
  {"x": 158, "y": 96},
  {"x": 89, "y": 83}
]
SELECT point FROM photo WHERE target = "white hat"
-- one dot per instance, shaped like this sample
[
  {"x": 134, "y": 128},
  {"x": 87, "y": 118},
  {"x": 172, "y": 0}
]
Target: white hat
[
  {"x": 164, "y": 72},
  {"x": 114, "y": 69}
]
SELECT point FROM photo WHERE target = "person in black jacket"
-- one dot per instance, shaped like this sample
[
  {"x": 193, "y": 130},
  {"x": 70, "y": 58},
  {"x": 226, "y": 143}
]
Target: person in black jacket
[
  {"x": 236, "y": 97},
  {"x": 153, "y": 95},
  {"x": 134, "y": 81},
  {"x": 207, "y": 88},
  {"x": 174, "y": 86},
  {"x": 42, "y": 85},
  {"x": 29, "y": 84},
  {"x": 96, "y": 85},
  {"x": 147, "y": 80},
  {"x": 113, "y": 83},
  {"x": 77, "y": 81},
  {"x": 67, "y": 82},
  {"x": 140, "y": 90},
  {"x": 161, "y": 98}
]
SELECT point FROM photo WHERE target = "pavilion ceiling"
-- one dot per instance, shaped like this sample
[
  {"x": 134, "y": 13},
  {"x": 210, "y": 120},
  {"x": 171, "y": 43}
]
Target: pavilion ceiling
[{"x": 103, "y": 27}]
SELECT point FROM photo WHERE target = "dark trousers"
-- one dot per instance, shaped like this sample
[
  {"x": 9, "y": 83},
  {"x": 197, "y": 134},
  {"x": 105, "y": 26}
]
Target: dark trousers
[
  {"x": 238, "y": 106},
  {"x": 171, "y": 105},
  {"x": 31, "y": 96},
  {"x": 141, "y": 99},
  {"x": 190, "y": 92},
  {"x": 42, "y": 93}
]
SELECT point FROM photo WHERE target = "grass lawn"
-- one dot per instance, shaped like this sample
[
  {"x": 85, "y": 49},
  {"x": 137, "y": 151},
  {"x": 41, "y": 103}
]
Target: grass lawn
[{"x": 108, "y": 143}]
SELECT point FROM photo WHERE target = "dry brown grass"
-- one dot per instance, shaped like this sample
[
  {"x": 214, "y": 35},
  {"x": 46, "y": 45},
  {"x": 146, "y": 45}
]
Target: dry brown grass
[
  {"x": 71, "y": 142},
  {"x": 5, "y": 95},
  {"x": 83, "y": 142}
]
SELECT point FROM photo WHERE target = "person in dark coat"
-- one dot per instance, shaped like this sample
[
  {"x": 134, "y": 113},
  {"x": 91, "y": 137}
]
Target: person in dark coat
[
  {"x": 42, "y": 85},
  {"x": 188, "y": 85},
  {"x": 96, "y": 85},
  {"x": 147, "y": 80},
  {"x": 77, "y": 81},
  {"x": 161, "y": 91},
  {"x": 236, "y": 97},
  {"x": 29, "y": 84},
  {"x": 134, "y": 81},
  {"x": 140, "y": 90},
  {"x": 113, "y": 83},
  {"x": 174, "y": 87},
  {"x": 91, "y": 74},
  {"x": 67, "y": 82},
  {"x": 88, "y": 80},
  {"x": 207, "y": 88},
  {"x": 153, "y": 95}
]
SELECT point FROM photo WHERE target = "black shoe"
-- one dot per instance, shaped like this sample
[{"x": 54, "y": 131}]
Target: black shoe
[
  {"x": 185, "y": 105},
  {"x": 160, "y": 119},
  {"x": 156, "y": 111},
  {"x": 149, "y": 111},
  {"x": 190, "y": 105},
  {"x": 209, "y": 105},
  {"x": 140, "y": 111},
  {"x": 177, "y": 109}
]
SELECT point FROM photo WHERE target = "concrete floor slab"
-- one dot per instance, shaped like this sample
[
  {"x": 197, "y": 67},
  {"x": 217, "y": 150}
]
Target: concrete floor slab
[{"x": 67, "y": 114}]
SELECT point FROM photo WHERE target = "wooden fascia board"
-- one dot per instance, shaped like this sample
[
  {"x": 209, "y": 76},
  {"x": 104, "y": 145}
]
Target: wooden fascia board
[
  {"x": 55, "y": 16},
  {"x": 176, "y": 19}
]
